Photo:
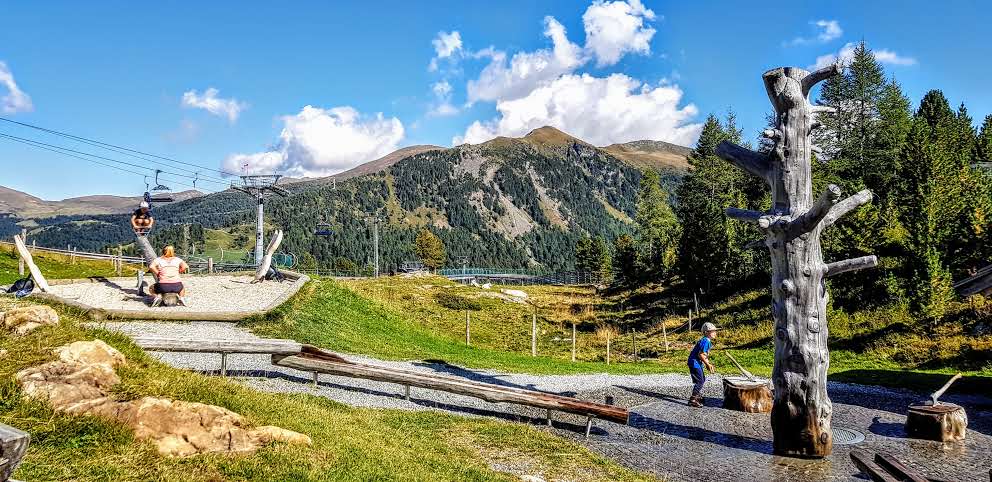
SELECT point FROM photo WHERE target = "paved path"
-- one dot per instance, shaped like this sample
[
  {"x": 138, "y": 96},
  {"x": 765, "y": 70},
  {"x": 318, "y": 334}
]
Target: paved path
[{"x": 664, "y": 437}]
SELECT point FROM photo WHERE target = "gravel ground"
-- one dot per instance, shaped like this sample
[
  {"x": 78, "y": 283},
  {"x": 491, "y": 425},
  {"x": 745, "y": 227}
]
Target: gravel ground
[
  {"x": 203, "y": 293},
  {"x": 664, "y": 436}
]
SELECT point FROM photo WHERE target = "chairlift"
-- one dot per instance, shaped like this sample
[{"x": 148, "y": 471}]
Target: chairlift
[
  {"x": 322, "y": 229},
  {"x": 160, "y": 193}
]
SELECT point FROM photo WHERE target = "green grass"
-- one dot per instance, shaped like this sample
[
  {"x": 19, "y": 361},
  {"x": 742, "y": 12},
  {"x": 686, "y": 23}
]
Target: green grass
[
  {"x": 55, "y": 266},
  {"x": 424, "y": 319},
  {"x": 349, "y": 443}
]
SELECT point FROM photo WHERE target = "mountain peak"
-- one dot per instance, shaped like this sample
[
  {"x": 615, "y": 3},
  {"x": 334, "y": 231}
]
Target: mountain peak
[{"x": 550, "y": 135}]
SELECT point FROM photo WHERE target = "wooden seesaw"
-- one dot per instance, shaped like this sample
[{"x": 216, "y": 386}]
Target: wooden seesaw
[{"x": 307, "y": 358}]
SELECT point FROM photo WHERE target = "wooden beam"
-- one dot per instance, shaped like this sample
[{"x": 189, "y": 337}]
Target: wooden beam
[
  {"x": 326, "y": 363},
  {"x": 847, "y": 205},
  {"x": 263, "y": 346},
  {"x": 13, "y": 445},
  {"x": 22, "y": 251},
  {"x": 808, "y": 220},
  {"x": 868, "y": 467},
  {"x": 898, "y": 469}
]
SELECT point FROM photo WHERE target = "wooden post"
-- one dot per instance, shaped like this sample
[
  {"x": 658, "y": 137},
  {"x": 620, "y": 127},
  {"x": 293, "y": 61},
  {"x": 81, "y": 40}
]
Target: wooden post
[
  {"x": 664, "y": 333},
  {"x": 468, "y": 328},
  {"x": 607, "y": 348},
  {"x": 573, "y": 341},
  {"x": 801, "y": 413},
  {"x": 20, "y": 262},
  {"x": 690, "y": 320},
  {"x": 210, "y": 265},
  {"x": 223, "y": 364},
  {"x": 533, "y": 333},
  {"x": 633, "y": 344}
]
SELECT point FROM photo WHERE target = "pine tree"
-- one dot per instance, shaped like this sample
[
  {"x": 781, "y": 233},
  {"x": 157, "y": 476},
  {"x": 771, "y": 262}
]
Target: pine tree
[
  {"x": 930, "y": 203},
  {"x": 895, "y": 120},
  {"x": 429, "y": 249},
  {"x": 624, "y": 264},
  {"x": 657, "y": 227},
  {"x": 983, "y": 145}
]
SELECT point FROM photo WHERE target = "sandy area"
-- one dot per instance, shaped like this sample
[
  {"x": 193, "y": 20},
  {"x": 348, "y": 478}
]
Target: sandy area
[{"x": 203, "y": 294}]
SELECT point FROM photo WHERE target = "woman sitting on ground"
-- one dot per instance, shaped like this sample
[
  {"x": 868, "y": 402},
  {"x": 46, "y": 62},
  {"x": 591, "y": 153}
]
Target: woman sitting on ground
[{"x": 167, "y": 269}]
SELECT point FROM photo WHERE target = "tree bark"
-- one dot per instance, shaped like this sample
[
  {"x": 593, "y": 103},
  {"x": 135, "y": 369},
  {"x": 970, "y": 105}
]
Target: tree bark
[
  {"x": 746, "y": 396},
  {"x": 801, "y": 411},
  {"x": 946, "y": 422}
]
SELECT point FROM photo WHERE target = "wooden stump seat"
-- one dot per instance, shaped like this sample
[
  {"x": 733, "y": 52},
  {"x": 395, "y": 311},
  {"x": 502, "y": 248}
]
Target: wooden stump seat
[
  {"x": 944, "y": 422},
  {"x": 745, "y": 395}
]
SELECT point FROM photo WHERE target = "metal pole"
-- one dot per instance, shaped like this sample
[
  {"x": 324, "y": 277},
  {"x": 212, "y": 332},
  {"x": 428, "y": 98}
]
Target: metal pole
[{"x": 258, "y": 231}]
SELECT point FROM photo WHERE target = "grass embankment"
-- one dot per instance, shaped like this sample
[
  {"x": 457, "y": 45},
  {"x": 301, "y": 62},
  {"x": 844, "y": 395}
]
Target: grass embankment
[
  {"x": 424, "y": 318},
  {"x": 55, "y": 266},
  {"x": 349, "y": 443}
]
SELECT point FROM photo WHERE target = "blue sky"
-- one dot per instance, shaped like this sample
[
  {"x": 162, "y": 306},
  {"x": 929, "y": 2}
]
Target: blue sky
[{"x": 226, "y": 84}]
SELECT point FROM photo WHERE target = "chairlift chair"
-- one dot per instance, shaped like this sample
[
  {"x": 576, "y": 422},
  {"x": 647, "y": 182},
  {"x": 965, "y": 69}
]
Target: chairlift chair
[
  {"x": 160, "y": 193},
  {"x": 323, "y": 229}
]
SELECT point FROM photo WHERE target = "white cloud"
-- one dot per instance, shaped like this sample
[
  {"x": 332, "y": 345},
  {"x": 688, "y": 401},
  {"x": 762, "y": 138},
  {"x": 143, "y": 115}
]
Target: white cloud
[
  {"x": 442, "y": 95},
  {"x": 846, "y": 54},
  {"x": 616, "y": 28},
  {"x": 447, "y": 45},
  {"x": 320, "y": 142},
  {"x": 15, "y": 100},
  {"x": 230, "y": 108},
  {"x": 827, "y": 30},
  {"x": 602, "y": 111},
  {"x": 526, "y": 70}
]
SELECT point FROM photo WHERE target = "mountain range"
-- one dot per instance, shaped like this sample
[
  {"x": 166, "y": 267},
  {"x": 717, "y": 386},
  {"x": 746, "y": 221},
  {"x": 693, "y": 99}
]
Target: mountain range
[{"x": 510, "y": 202}]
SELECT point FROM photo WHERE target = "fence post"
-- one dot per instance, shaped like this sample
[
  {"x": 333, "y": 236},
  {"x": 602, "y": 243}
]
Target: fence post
[
  {"x": 20, "y": 261},
  {"x": 533, "y": 333},
  {"x": 633, "y": 344},
  {"x": 468, "y": 328},
  {"x": 607, "y": 348},
  {"x": 573, "y": 341},
  {"x": 664, "y": 333},
  {"x": 210, "y": 265}
]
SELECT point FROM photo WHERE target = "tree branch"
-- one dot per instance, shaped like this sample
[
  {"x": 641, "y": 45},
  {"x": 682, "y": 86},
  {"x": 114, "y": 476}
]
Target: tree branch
[
  {"x": 763, "y": 220},
  {"x": 757, "y": 243},
  {"x": 808, "y": 220},
  {"x": 847, "y": 205},
  {"x": 853, "y": 264},
  {"x": 820, "y": 75},
  {"x": 755, "y": 163}
]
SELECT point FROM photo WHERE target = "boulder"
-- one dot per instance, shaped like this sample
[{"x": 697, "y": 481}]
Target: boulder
[
  {"x": 79, "y": 382},
  {"x": 24, "y": 319},
  {"x": 515, "y": 293}
]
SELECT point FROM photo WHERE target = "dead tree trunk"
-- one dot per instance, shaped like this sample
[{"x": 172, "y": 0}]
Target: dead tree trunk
[{"x": 801, "y": 411}]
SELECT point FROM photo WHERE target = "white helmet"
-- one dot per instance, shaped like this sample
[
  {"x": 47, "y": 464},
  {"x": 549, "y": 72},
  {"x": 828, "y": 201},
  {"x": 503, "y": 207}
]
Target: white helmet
[{"x": 143, "y": 205}]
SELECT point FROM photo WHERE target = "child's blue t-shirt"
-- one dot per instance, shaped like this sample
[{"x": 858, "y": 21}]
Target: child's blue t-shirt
[{"x": 702, "y": 346}]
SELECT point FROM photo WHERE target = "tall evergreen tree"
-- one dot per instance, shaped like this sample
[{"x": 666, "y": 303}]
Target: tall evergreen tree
[
  {"x": 657, "y": 227},
  {"x": 624, "y": 263},
  {"x": 983, "y": 144}
]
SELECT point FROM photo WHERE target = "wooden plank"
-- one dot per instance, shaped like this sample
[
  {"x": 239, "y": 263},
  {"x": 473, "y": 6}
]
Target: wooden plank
[
  {"x": 868, "y": 467},
  {"x": 263, "y": 346},
  {"x": 39, "y": 279},
  {"x": 935, "y": 395},
  {"x": 13, "y": 445},
  {"x": 897, "y": 468},
  {"x": 327, "y": 363}
]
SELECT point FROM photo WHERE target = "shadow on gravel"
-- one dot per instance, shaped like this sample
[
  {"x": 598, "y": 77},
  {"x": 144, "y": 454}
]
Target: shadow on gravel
[
  {"x": 447, "y": 368},
  {"x": 887, "y": 429},
  {"x": 689, "y": 432}
]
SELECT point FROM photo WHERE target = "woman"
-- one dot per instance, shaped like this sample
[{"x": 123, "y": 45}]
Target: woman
[{"x": 167, "y": 269}]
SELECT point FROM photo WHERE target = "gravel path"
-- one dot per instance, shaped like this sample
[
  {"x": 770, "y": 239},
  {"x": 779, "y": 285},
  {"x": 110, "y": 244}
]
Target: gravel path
[
  {"x": 220, "y": 293},
  {"x": 664, "y": 437}
]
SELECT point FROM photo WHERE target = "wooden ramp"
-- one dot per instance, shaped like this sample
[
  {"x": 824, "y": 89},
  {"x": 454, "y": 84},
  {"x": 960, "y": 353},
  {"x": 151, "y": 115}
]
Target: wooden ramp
[{"x": 308, "y": 358}]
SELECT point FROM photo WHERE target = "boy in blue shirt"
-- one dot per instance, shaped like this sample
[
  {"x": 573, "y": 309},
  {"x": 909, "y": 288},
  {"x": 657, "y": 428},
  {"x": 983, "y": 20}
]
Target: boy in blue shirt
[{"x": 699, "y": 358}]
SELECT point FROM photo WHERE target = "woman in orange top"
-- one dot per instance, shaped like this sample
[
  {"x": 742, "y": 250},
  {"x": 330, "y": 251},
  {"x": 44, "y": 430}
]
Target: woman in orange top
[{"x": 167, "y": 269}]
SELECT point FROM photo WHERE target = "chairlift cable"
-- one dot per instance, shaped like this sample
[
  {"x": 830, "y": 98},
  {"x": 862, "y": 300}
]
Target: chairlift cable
[
  {"x": 55, "y": 150},
  {"x": 39, "y": 143},
  {"x": 106, "y": 145}
]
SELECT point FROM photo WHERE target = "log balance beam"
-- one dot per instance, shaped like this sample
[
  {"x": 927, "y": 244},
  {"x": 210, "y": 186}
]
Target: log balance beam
[{"x": 308, "y": 358}]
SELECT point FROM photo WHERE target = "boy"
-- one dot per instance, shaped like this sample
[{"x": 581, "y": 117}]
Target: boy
[
  {"x": 698, "y": 358},
  {"x": 141, "y": 219}
]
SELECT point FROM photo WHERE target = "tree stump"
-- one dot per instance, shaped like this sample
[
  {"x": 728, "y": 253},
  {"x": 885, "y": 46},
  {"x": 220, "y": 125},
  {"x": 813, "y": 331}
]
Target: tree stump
[
  {"x": 945, "y": 422},
  {"x": 745, "y": 395}
]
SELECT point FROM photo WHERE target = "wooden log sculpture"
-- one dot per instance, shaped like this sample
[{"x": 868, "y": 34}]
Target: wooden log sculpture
[
  {"x": 263, "y": 267},
  {"x": 13, "y": 445},
  {"x": 22, "y": 251},
  {"x": 936, "y": 420},
  {"x": 148, "y": 252},
  {"x": 801, "y": 413}
]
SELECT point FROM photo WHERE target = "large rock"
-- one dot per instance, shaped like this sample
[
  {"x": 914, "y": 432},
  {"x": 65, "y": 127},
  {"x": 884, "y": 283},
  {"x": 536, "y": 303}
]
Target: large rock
[
  {"x": 25, "y": 319},
  {"x": 79, "y": 382}
]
